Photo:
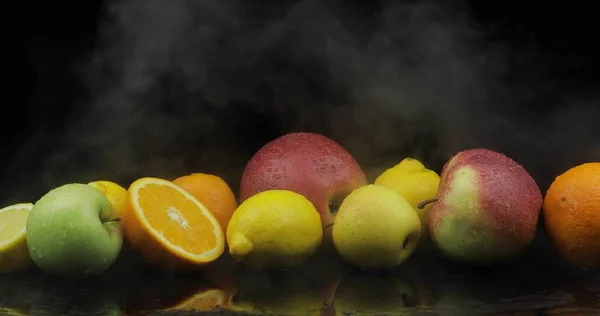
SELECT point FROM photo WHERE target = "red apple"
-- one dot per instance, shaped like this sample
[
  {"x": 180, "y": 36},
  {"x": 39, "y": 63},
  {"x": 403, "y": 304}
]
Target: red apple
[
  {"x": 306, "y": 163},
  {"x": 487, "y": 208}
]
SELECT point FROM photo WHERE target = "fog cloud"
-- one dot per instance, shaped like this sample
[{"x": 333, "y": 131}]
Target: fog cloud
[{"x": 198, "y": 86}]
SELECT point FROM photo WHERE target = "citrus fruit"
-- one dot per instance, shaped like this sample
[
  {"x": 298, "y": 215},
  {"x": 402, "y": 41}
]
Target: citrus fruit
[
  {"x": 274, "y": 229},
  {"x": 571, "y": 212},
  {"x": 415, "y": 183},
  {"x": 376, "y": 227},
  {"x": 166, "y": 225},
  {"x": 14, "y": 254},
  {"x": 113, "y": 192},
  {"x": 213, "y": 192},
  {"x": 409, "y": 164}
]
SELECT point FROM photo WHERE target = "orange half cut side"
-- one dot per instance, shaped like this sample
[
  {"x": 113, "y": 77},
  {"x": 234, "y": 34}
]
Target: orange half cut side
[{"x": 181, "y": 224}]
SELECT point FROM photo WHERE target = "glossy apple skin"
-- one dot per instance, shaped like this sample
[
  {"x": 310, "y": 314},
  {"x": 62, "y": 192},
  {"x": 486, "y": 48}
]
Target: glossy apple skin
[
  {"x": 306, "y": 163},
  {"x": 71, "y": 232},
  {"x": 487, "y": 210}
]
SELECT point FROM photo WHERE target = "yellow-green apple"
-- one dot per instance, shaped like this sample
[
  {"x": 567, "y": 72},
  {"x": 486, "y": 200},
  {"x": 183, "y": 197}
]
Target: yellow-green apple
[
  {"x": 309, "y": 164},
  {"x": 73, "y": 231},
  {"x": 376, "y": 228},
  {"x": 486, "y": 210}
]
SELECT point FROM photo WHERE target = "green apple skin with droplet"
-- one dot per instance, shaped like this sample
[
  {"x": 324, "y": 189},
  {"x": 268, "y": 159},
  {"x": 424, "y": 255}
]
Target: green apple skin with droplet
[
  {"x": 487, "y": 208},
  {"x": 73, "y": 231}
]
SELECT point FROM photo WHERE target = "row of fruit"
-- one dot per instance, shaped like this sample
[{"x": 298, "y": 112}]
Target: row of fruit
[{"x": 297, "y": 193}]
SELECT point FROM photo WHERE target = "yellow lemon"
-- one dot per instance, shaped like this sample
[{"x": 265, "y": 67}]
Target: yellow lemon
[
  {"x": 409, "y": 165},
  {"x": 114, "y": 193},
  {"x": 14, "y": 254},
  {"x": 376, "y": 227},
  {"x": 274, "y": 229},
  {"x": 411, "y": 179}
]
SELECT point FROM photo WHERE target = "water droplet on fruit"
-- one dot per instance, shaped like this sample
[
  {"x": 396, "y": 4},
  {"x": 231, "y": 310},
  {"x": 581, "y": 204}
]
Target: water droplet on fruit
[
  {"x": 314, "y": 161},
  {"x": 333, "y": 168},
  {"x": 269, "y": 169},
  {"x": 273, "y": 184},
  {"x": 274, "y": 176},
  {"x": 322, "y": 159},
  {"x": 276, "y": 169},
  {"x": 279, "y": 176},
  {"x": 341, "y": 166},
  {"x": 322, "y": 169}
]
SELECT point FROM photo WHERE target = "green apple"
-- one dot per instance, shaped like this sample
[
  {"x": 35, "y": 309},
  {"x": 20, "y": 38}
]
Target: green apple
[
  {"x": 375, "y": 227},
  {"x": 72, "y": 231}
]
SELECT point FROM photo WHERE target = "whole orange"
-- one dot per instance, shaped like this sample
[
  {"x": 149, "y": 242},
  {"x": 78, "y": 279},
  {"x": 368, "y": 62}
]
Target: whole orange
[
  {"x": 572, "y": 214},
  {"x": 213, "y": 192}
]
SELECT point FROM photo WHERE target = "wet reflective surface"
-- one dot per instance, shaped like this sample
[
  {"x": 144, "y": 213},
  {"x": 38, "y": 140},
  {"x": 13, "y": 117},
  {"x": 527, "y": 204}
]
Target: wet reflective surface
[{"x": 536, "y": 284}]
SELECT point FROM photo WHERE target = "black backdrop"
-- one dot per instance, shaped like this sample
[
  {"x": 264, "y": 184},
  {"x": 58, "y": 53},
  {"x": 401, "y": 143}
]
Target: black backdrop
[{"x": 166, "y": 88}]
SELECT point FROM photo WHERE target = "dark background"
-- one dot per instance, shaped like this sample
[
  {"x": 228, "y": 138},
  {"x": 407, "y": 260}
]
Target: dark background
[
  {"x": 119, "y": 90},
  {"x": 124, "y": 89}
]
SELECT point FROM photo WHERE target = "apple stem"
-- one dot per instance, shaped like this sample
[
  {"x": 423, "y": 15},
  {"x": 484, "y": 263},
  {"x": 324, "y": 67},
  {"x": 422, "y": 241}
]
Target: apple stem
[
  {"x": 116, "y": 219},
  {"x": 422, "y": 204},
  {"x": 327, "y": 226}
]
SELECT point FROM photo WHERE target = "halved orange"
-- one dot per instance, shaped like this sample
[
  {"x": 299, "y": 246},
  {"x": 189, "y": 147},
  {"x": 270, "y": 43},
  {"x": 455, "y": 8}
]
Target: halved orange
[{"x": 167, "y": 226}]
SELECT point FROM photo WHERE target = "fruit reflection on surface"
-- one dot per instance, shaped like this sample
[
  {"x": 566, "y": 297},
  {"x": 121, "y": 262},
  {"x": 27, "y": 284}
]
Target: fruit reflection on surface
[
  {"x": 168, "y": 227},
  {"x": 310, "y": 164},
  {"x": 177, "y": 296},
  {"x": 300, "y": 291},
  {"x": 34, "y": 293},
  {"x": 206, "y": 300},
  {"x": 487, "y": 208},
  {"x": 155, "y": 290},
  {"x": 586, "y": 296},
  {"x": 376, "y": 228},
  {"x": 14, "y": 255},
  {"x": 73, "y": 231},
  {"x": 274, "y": 229},
  {"x": 361, "y": 293},
  {"x": 572, "y": 214},
  {"x": 223, "y": 273},
  {"x": 464, "y": 293},
  {"x": 415, "y": 183},
  {"x": 213, "y": 192}
]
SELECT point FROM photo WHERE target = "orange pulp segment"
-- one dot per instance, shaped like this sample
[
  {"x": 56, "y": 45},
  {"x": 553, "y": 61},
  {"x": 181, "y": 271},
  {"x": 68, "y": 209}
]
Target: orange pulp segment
[{"x": 163, "y": 215}]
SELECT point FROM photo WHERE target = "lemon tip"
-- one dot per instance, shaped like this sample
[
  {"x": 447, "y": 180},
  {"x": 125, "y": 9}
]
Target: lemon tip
[{"x": 240, "y": 245}]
